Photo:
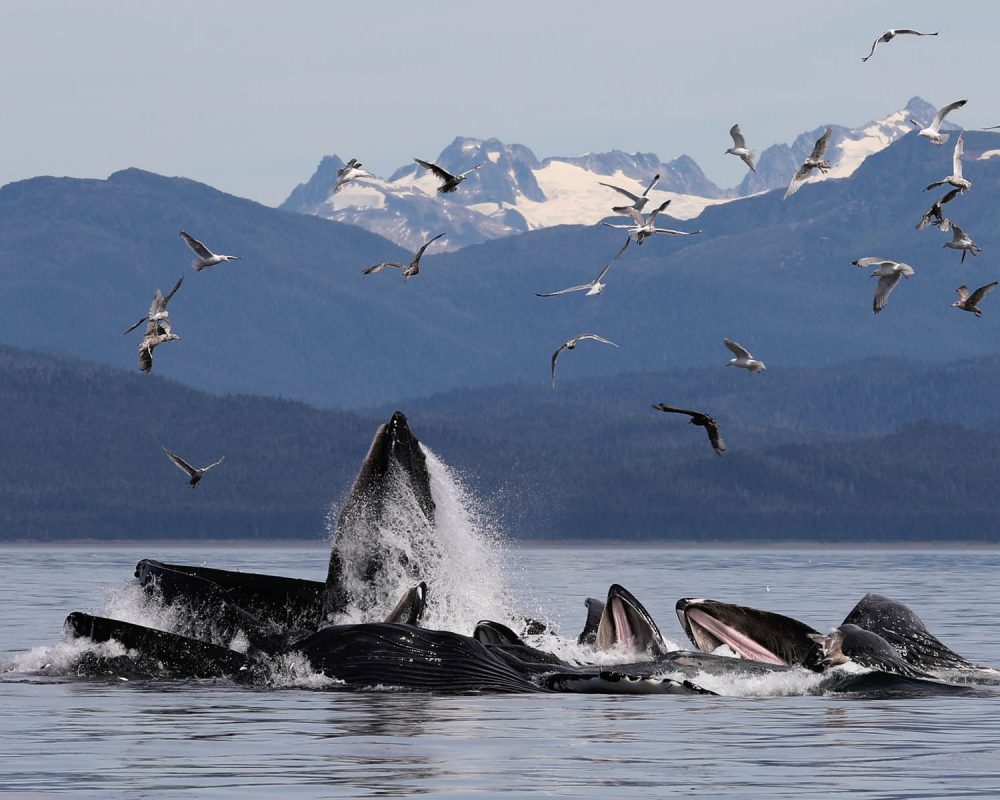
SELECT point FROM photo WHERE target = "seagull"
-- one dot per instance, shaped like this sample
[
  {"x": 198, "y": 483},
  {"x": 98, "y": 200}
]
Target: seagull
[
  {"x": 194, "y": 473},
  {"x": 595, "y": 286},
  {"x": 158, "y": 309},
  {"x": 571, "y": 345},
  {"x": 960, "y": 240},
  {"x": 743, "y": 358},
  {"x": 206, "y": 258},
  {"x": 157, "y": 332},
  {"x": 967, "y": 302},
  {"x": 641, "y": 228},
  {"x": 890, "y": 34},
  {"x": 955, "y": 179},
  {"x": 935, "y": 215},
  {"x": 638, "y": 201},
  {"x": 739, "y": 147},
  {"x": 409, "y": 270},
  {"x": 888, "y": 274},
  {"x": 815, "y": 161},
  {"x": 348, "y": 172},
  {"x": 931, "y": 131},
  {"x": 700, "y": 419},
  {"x": 449, "y": 182}
]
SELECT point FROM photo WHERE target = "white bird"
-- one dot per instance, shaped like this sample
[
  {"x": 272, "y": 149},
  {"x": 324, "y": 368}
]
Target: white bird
[
  {"x": 350, "y": 171},
  {"x": 595, "y": 287},
  {"x": 571, "y": 345},
  {"x": 931, "y": 131},
  {"x": 890, "y": 34},
  {"x": 409, "y": 270},
  {"x": 743, "y": 358},
  {"x": 194, "y": 474},
  {"x": 449, "y": 182},
  {"x": 935, "y": 215},
  {"x": 960, "y": 240},
  {"x": 739, "y": 147},
  {"x": 638, "y": 201},
  {"x": 206, "y": 258},
  {"x": 641, "y": 228},
  {"x": 156, "y": 334},
  {"x": 956, "y": 178},
  {"x": 970, "y": 303},
  {"x": 888, "y": 274},
  {"x": 158, "y": 309},
  {"x": 814, "y": 161}
]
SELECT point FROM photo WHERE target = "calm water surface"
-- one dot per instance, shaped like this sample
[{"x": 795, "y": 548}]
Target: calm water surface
[{"x": 213, "y": 739}]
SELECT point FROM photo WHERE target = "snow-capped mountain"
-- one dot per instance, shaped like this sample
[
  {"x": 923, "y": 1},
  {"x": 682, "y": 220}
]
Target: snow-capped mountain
[{"x": 514, "y": 191}]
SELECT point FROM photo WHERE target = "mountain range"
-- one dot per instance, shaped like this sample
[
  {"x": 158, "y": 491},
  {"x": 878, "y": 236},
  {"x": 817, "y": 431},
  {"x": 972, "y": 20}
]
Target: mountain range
[{"x": 514, "y": 191}]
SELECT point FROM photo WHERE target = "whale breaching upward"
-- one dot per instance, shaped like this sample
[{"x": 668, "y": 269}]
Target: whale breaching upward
[
  {"x": 348, "y": 172},
  {"x": 739, "y": 147},
  {"x": 449, "y": 182},
  {"x": 638, "y": 201},
  {"x": 206, "y": 258},
  {"x": 158, "y": 309},
  {"x": 931, "y": 131},
  {"x": 814, "y": 161},
  {"x": 409, "y": 270},
  {"x": 890, "y": 34},
  {"x": 888, "y": 274},
  {"x": 702, "y": 420}
]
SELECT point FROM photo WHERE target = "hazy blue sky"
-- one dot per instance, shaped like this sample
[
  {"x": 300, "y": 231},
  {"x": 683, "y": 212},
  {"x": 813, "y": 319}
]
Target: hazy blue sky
[{"x": 247, "y": 96}]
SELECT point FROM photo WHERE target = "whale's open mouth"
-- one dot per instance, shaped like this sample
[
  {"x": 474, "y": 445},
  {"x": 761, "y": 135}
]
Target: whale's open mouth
[
  {"x": 709, "y": 634},
  {"x": 627, "y": 626}
]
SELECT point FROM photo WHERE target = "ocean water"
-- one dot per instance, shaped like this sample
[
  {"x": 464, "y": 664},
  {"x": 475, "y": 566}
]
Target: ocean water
[{"x": 112, "y": 738}]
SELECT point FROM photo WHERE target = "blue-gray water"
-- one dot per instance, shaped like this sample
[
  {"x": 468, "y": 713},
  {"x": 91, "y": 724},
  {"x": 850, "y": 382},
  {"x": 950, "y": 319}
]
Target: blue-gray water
[{"x": 212, "y": 739}]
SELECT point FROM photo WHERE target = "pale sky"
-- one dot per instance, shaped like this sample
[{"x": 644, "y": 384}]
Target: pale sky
[{"x": 247, "y": 96}]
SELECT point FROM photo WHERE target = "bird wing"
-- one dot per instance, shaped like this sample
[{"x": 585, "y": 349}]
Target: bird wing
[
  {"x": 675, "y": 233},
  {"x": 874, "y": 45},
  {"x": 748, "y": 160},
  {"x": 135, "y": 326},
  {"x": 181, "y": 464},
  {"x": 612, "y": 261},
  {"x": 674, "y": 410},
  {"x": 595, "y": 337},
  {"x": 737, "y": 134},
  {"x": 145, "y": 357},
  {"x": 425, "y": 245},
  {"x": 797, "y": 179},
  {"x": 213, "y": 464},
  {"x": 820, "y": 147},
  {"x": 943, "y": 112},
  {"x": 957, "y": 233},
  {"x": 981, "y": 292},
  {"x": 652, "y": 183},
  {"x": 616, "y": 225},
  {"x": 377, "y": 267},
  {"x": 655, "y": 212},
  {"x": 930, "y": 186},
  {"x": 963, "y": 293},
  {"x": 470, "y": 171},
  {"x": 633, "y": 197},
  {"x": 579, "y": 288},
  {"x": 198, "y": 247},
  {"x": 737, "y": 349},
  {"x": 555, "y": 356},
  {"x": 443, "y": 174},
  {"x": 715, "y": 437},
  {"x": 174, "y": 290},
  {"x": 956, "y": 156},
  {"x": 913, "y": 32},
  {"x": 949, "y": 197},
  {"x": 885, "y": 286},
  {"x": 871, "y": 261}
]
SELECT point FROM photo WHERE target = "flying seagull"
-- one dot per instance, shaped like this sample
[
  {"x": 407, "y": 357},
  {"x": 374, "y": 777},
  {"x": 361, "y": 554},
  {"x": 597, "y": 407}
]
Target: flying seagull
[
  {"x": 743, "y": 358},
  {"x": 158, "y": 309},
  {"x": 595, "y": 286},
  {"x": 409, "y": 270},
  {"x": 970, "y": 302},
  {"x": 960, "y": 240},
  {"x": 814, "y": 161},
  {"x": 642, "y": 228},
  {"x": 888, "y": 274},
  {"x": 157, "y": 332},
  {"x": 935, "y": 215},
  {"x": 194, "y": 473},
  {"x": 700, "y": 419},
  {"x": 206, "y": 258},
  {"x": 638, "y": 201},
  {"x": 449, "y": 182},
  {"x": 348, "y": 172},
  {"x": 956, "y": 178},
  {"x": 739, "y": 147},
  {"x": 931, "y": 131},
  {"x": 571, "y": 345},
  {"x": 892, "y": 33}
]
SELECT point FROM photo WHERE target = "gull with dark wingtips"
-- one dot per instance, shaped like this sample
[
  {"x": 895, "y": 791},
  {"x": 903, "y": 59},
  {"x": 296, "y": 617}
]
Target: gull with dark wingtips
[
  {"x": 638, "y": 200},
  {"x": 960, "y": 240},
  {"x": 935, "y": 215},
  {"x": 194, "y": 474},
  {"x": 739, "y": 147},
  {"x": 644, "y": 227},
  {"x": 932, "y": 131},
  {"x": 970, "y": 302},
  {"x": 743, "y": 358},
  {"x": 158, "y": 309},
  {"x": 349, "y": 172},
  {"x": 595, "y": 287},
  {"x": 409, "y": 270},
  {"x": 157, "y": 333},
  {"x": 890, "y": 34},
  {"x": 956, "y": 178},
  {"x": 206, "y": 258},
  {"x": 449, "y": 182},
  {"x": 700, "y": 419},
  {"x": 888, "y": 273},
  {"x": 571, "y": 345},
  {"x": 814, "y": 161}
]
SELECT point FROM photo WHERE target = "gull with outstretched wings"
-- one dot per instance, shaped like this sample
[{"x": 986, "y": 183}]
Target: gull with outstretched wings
[
  {"x": 571, "y": 345},
  {"x": 194, "y": 474},
  {"x": 409, "y": 270},
  {"x": 888, "y": 273},
  {"x": 740, "y": 148},
  {"x": 644, "y": 227},
  {"x": 891, "y": 34},
  {"x": 158, "y": 309},
  {"x": 814, "y": 161},
  {"x": 960, "y": 240},
  {"x": 449, "y": 182},
  {"x": 956, "y": 178},
  {"x": 935, "y": 215},
  {"x": 595, "y": 287},
  {"x": 932, "y": 131},
  {"x": 206, "y": 258},
  {"x": 157, "y": 333},
  {"x": 743, "y": 358},
  {"x": 638, "y": 200},
  {"x": 700, "y": 419},
  {"x": 970, "y": 302}
]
